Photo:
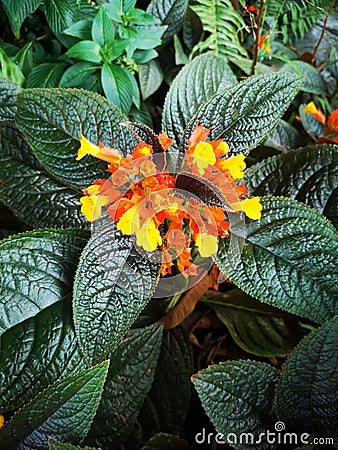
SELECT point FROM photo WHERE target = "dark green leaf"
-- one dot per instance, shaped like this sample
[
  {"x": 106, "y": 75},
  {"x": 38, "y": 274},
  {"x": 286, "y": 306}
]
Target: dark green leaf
[
  {"x": 102, "y": 29},
  {"x": 257, "y": 328},
  {"x": 309, "y": 175},
  {"x": 307, "y": 389},
  {"x": 47, "y": 75},
  {"x": 46, "y": 257},
  {"x": 144, "y": 56},
  {"x": 151, "y": 77},
  {"x": 238, "y": 397},
  {"x": 53, "y": 119},
  {"x": 311, "y": 125},
  {"x": 10, "y": 70},
  {"x": 170, "y": 13},
  {"x": 17, "y": 11},
  {"x": 78, "y": 74},
  {"x": 8, "y": 102},
  {"x": 24, "y": 58},
  {"x": 195, "y": 83},
  {"x": 56, "y": 445},
  {"x": 60, "y": 15},
  {"x": 112, "y": 285},
  {"x": 163, "y": 441},
  {"x": 313, "y": 81},
  {"x": 81, "y": 29},
  {"x": 246, "y": 113},
  {"x": 85, "y": 50},
  {"x": 64, "y": 411},
  {"x": 287, "y": 259},
  {"x": 129, "y": 379},
  {"x": 117, "y": 86},
  {"x": 284, "y": 137},
  {"x": 36, "y": 353},
  {"x": 192, "y": 28}
]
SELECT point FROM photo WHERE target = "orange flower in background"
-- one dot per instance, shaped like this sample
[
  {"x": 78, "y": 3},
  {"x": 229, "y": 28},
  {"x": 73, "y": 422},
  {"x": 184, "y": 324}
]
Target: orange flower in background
[
  {"x": 264, "y": 43},
  {"x": 330, "y": 126},
  {"x": 143, "y": 201},
  {"x": 317, "y": 113},
  {"x": 332, "y": 121}
]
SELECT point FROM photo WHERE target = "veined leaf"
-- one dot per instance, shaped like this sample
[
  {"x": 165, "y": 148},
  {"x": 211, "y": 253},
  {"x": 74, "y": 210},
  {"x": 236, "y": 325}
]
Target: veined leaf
[
  {"x": 238, "y": 397},
  {"x": 313, "y": 81},
  {"x": 53, "y": 119},
  {"x": 288, "y": 259},
  {"x": 8, "y": 102},
  {"x": 86, "y": 50},
  {"x": 311, "y": 125},
  {"x": 17, "y": 11},
  {"x": 79, "y": 74},
  {"x": 60, "y": 15},
  {"x": 47, "y": 75},
  {"x": 196, "y": 82},
  {"x": 102, "y": 29},
  {"x": 56, "y": 445},
  {"x": 112, "y": 285},
  {"x": 36, "y": 353},
  {"x": 117, "y": 86},
  {"x": 151, "y": 77},
  {"x": 307, "y": 389},
  {"x": 170, "y": 13},
  {"x": 309, "y": 175},
  {"x": 246, "y": 113},
  {"x": 284, "y": 137},
  {"x": 131, "y": 374},
  {"x": 36, "y": 270},
  {"x": 64, "y": 411}
]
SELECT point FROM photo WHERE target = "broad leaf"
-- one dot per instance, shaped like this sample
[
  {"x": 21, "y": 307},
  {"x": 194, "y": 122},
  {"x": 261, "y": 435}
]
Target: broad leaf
[
  {"x": 284, "y": 137},
  {"x": 309, "y": 175},
  {"x": 36, "y": 353},
  {"x": 312, "y": 82},
  {"x": 238, "y": 397},
  {"x": 17, "y": 11},
  {"x": 8, "y": 102},
  {"x": 170, "y": 13},
  {"x": 102, "y": 29},
  {"x": 47, "y": 75},
  {"x": 129, "y": 379},
  {"x": 63, "y": 411},
  {"x": 85, "y": 50},
  {"x": 56, "y": 445},
  {"x": 196, "y": 82},
  {"x": 246, "y": 113},
  {"x": 151, "y": 77},
  {"x": 117, "y": 86},
  {"x": 307, "y": 389},
  {"x": 82, "y": 74},
  {"x": 113, "y": 284},
  {"x": 53, "y": 119},
  {"x": 257, "y": 328},
  {"x": 60, "y": 15},
  {"x": 287, "y": 259},
  {"x": 36, "y": 270}
]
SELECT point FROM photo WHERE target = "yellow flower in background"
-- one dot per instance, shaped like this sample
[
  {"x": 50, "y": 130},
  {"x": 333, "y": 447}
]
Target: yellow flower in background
[
  {"x": 207, "y": 244},
  {"x": 251, "y": 206},
  {"x": 235, "y": 165},
  {"x": 148, "y": 237}
]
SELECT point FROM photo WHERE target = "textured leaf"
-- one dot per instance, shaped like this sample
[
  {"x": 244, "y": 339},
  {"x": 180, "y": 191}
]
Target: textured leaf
[
  {"x": 36, "y": 353},
  {"x": 102, "y": 29},
  {"x": 17, "y": 11},
  {"x": 257, "y": 328},
  {"x": 313, "y": 81},
  {"x": 113, "y": 284},
  {"x": 307, "y": 389},
  {"x": 163, "y": 441},
  {"x": 60, "y": 15},
  {"x": 309, "y": 175},
  {"x": 56, "y": 445},
  {"x": 246, "y": 113},
  {"x": 170, "y": 13},
  {"x": 79, "y": 74},
  {"x": 8, "y": 102},
  {"x": 36, "y": 270},
  {"x": 196, "y": 82},
  {"x": 288, "y": 259},
  {"x": 53, "y": 119},
  {"x": 63, "y": 411},
  {"x": 238, "y": 397},
  {"x": 151, "y": 77},
  {"x": 29, "y": 191},
  {"x": 47, "y": 75},
  {"x": 129, "y": 379},
  {"x": 284, "y": 137}
]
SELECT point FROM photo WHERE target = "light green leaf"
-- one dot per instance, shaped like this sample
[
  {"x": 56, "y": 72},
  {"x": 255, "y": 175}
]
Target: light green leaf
[
  {"x": 151, "y": 77},
  {"x": 85, "y": 50},
  {"x": 44, "y": 262},
  {"x": 117, "y": 86},
  {"x": 288, "y": 259},
  {"x": 17, "y": 11},
  {"x": 36, "y": 353},
  {"x": 284, "y": 137},
  {"x": 313, "y": 81},
  {"x": 47, "y": 75},
  {"x": 238, "y": 398},
  {"x": 78, "y": 74},
  {"x": 307, "y": 389},
  {"x": 129, "y": 379},
  {"x": 64, "y": 411},
  {"x": 102, "y": 29},
  {"x": 257, "y": 328},
  {"x": 309, "y": 175},
  {"x": 53, "y": 119},
  {"x": 112, "y": 285},
  {"x": 170, "y": 13},
  {"x": 56, "y": 445},
  {"x": 8, "y": 102},
  {"x": 196, "y": 82},
  {"x": 246, "y": 113},
  {"x": 10, "y": 70}
]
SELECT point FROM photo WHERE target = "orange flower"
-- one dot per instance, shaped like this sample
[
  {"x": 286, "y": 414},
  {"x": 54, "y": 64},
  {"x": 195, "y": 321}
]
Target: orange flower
[
  {"x": 141, "y": 150},
  {"x": 165, "y": 140},
  {"x": 333, "y": 121},
  {"x": 317, "y": 113}
]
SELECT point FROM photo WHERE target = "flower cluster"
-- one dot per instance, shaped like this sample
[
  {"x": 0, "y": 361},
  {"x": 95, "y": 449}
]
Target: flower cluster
[
  {"x": 143, "y": 199},
  {"x": 330, "y": 125}
]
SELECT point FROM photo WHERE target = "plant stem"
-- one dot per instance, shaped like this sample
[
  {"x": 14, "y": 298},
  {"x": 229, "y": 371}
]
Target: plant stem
[
  {"x": 258, "y": 29},
  {"x": 328, "y": 12}
]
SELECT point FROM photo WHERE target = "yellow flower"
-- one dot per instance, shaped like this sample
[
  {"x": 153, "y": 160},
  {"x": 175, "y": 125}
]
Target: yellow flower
[
  {"x": 251, "y": 206},
  {"x": 148, "y": 237},
  {"x": 207, "y": 244},
  {"x": 92, "y": 205},
  {"x": 87, "y": 148},
  {"x": 204, "y": 155},
  {"x": 310, "y": 108},
  {"x": 235, "y": 165},
  {"x": 129, "y": 222}
]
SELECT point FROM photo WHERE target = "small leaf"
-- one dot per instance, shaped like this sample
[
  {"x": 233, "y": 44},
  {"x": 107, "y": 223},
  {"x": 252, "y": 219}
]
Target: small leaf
[
  {"x": 284, "y": 137},
  {"x": 244, "y": 114},
  {"x": 81, "y": 29},
  {"x": 151, "y": 77},
  {"x": 102, "y": 29},
  {"x": 309, "y": 175},
  {"x": 78, "y": 74},
  {"x": 17, "y": 11},
  {"x": 287, "y": 259},
  {"x": 131, "y": 374},
  {"x": 47, "y": 75},
  {"x": 313, "y": 81},
  {"x": 238, "y": 398},
  {"x": 112, "y": 286},
  {"x": 85, "y": 50},
  {"x": 46, "y": 257},
  {"x": 170, "y": 13},
  {"x": 8, "y": 102},
  {"x": 306, "y": 392},
  {"x": 64, "y": 411}
]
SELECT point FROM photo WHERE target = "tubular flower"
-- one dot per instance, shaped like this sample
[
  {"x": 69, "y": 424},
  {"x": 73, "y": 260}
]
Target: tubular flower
[
  {"x": 317, "y": 113},
  {"x": 330, "y": 126},
  {"x": 145, "y": 201}
]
